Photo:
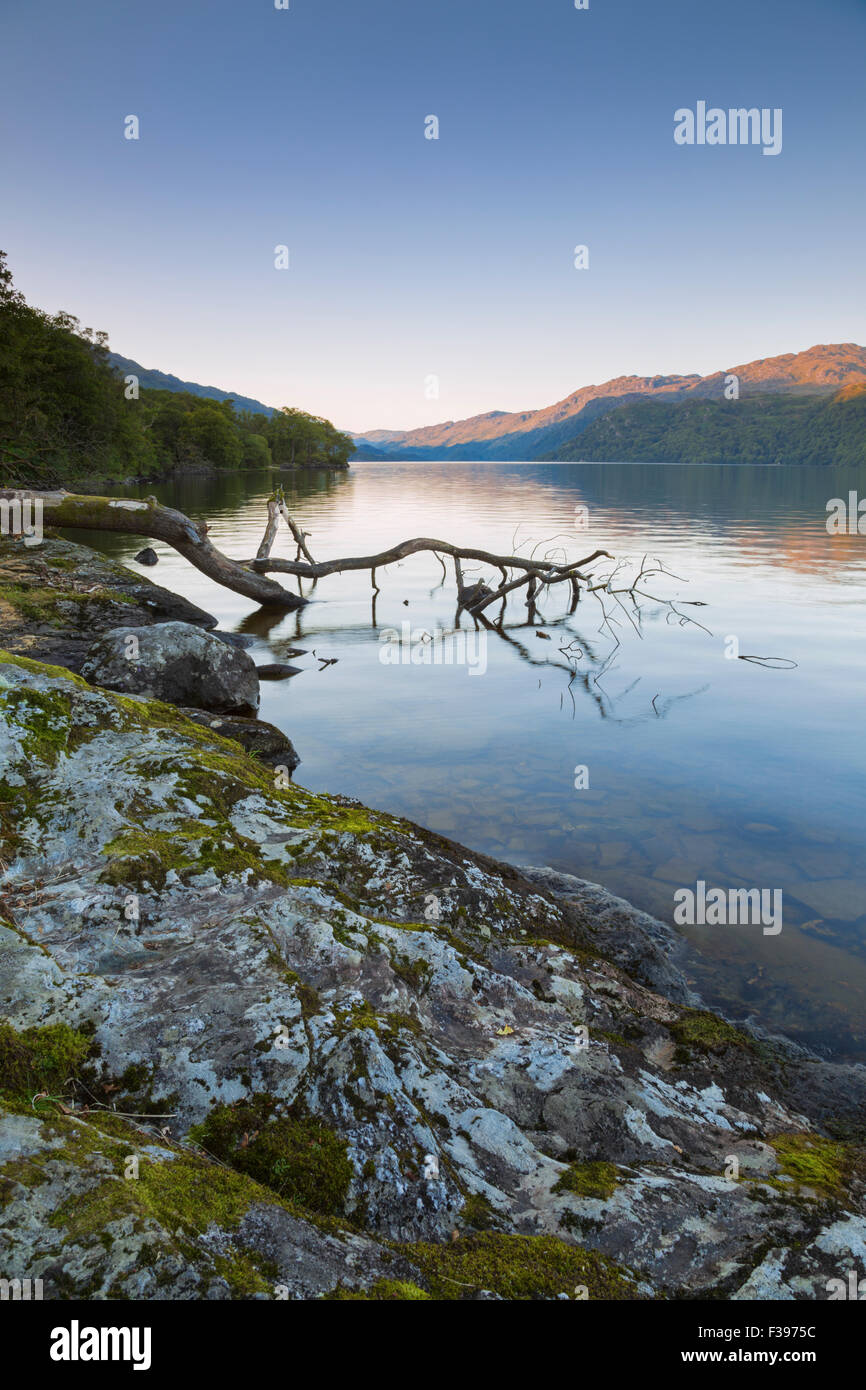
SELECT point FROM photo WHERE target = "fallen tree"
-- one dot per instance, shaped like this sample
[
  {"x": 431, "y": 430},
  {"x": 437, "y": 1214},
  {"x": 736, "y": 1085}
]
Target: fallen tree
[
  {"x": 535, "y": 574},
  {"x": 150, "y": 519}
]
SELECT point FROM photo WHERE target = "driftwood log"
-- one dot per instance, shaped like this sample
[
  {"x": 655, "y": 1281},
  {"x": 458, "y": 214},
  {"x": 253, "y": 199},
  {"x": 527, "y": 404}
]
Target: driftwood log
[
  {"x": 617, "y": 596},
  {"x": 149, "y": 518}
]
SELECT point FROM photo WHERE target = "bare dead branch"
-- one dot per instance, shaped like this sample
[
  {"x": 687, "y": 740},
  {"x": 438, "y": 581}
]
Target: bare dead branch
[
  {"x": 270, "y": 535},
  {"x": 318, "y": 570}
]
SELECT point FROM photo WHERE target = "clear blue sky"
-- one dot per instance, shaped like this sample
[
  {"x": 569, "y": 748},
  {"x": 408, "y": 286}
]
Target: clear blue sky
[{"x": 412, "y": 257}]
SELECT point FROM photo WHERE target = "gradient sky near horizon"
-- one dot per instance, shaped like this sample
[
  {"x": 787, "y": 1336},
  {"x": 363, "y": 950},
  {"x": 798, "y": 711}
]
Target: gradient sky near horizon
[{"x": 412, "y": 257}]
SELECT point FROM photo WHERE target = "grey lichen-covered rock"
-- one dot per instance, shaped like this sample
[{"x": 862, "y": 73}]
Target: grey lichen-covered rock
[
  {"x": 174, "y": 662},
  {"x": 113, "y": 1214},
  {"x": 366, "y": 1024},
  {"x": 55, "y": 597},
  {"x": 641, "y": 944}
]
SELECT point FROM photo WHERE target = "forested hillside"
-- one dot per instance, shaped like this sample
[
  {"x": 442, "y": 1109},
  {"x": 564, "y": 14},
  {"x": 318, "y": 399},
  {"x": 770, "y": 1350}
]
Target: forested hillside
[
  {"x": 66, "y": 412},
  {"x": 156, "y": 380},
  {"x": 762, "y": 429}
]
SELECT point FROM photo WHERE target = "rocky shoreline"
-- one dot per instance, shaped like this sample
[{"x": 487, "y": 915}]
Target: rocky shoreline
[{"x": 261, "y": 1043}]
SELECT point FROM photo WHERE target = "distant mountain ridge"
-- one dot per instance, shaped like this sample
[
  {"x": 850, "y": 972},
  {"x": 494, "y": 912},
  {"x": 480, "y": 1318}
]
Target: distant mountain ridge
[
  {"x": 555, "y": 431},
  {"x": 162, "y": 381},
  {"x": 820, "y": 370},
  {"x": 814, "y": 428}
]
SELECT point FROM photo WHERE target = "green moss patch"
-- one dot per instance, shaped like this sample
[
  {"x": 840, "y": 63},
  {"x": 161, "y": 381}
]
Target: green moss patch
[
  {"x": 518, "y": 1268},
  {"x": 812, "y": 1161},
  {"x": 138, "y": 857},
  {"x": 307, "y": 996},
  {"x": 698, "y": 1031},
  {"x": 43, "y": 718},
  {"x": 41, "y": 668},
  {"x": 383, "y": 1291},
  {"x": 184, "y": 1197},
  {"x": 22, "y": 810},
  {"x": 295, "y": 1156},
  {"x": 597, "y": 1179},
  {"x": 39, "y": 603},
  {"x": 414, "y": 973},
  {"x": 40, "y": 1059},
  {"x": 34, "y": 603},
  {"x": 479, "y": 1213}
]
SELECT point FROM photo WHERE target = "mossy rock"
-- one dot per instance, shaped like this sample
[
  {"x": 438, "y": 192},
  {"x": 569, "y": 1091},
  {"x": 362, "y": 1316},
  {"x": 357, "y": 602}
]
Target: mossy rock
[
  {"x": 812, "y": 1161},
  {"x": 479, "y": 1213},
  {"x": 44, "y": 718},
  {"x": 383, "y": 1291},
  {"x": 414, "y": 973},
  {"x": 179, "y": 1201},
  {"x": 597, "y": 1179},
  {"x": 48, "y": 606},
  {"x": 296, "y": 1156},
  {"x": 137, "y": 857},
  {"x": 518, "y": 1268},
  {"x": 700, "y": 1031},
  {"x": 396, "y": 1023},
  {"x": 40, "y": 1059}
]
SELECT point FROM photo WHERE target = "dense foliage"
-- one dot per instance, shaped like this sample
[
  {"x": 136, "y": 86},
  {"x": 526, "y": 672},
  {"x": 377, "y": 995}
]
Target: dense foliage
[
  {"x": 807, "y": 429},
  {"x": 66, "y": 412}
]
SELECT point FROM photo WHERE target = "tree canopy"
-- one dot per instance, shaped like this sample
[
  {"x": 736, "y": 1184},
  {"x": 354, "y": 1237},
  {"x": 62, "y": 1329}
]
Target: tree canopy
[{"x": 66, "y": 412}]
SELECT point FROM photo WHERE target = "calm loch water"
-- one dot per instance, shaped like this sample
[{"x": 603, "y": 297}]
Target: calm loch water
[{"x": 700, "y": 766}]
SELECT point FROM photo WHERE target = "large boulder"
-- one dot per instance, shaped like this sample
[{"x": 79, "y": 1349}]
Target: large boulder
[
  {"x": 55, "y": 598},
  {"x": 174, "y": 662}
]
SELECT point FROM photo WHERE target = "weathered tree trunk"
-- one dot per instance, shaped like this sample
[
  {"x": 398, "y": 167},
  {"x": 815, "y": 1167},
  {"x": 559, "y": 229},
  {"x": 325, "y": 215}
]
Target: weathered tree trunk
[
  {"x": 148, "y": 518},
  {"x": 249, "y": 577}
]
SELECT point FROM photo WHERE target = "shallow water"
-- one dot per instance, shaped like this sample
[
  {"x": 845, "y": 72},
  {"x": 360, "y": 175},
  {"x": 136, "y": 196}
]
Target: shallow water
[{"x": 700, "y": 765}]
